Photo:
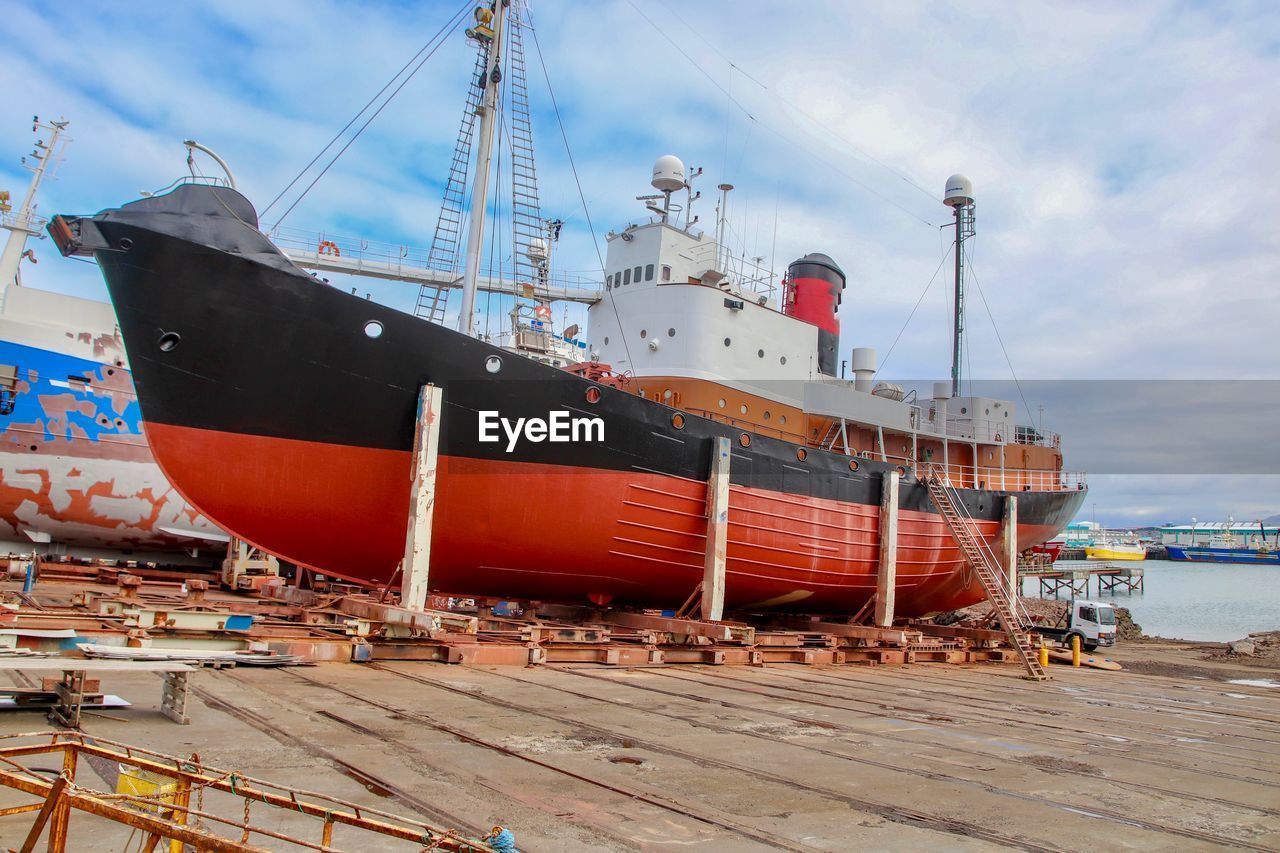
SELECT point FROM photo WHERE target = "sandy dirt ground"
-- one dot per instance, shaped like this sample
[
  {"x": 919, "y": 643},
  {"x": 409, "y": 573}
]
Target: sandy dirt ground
[{"x": 1167, "y": 754}]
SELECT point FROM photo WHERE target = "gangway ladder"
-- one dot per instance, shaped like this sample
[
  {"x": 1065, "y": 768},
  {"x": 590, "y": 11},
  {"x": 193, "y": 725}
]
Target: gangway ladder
[
  {"x": 446, "y": 244},
  {"x": 1013, "y": 619}
]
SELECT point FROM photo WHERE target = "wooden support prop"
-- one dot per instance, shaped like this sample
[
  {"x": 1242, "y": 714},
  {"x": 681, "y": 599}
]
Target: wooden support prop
[
  {"x": 422, "y": 498},
  {"x": 887, "y": 576},
  {"x": 717, "y": 532},
  {"x": 1009, "y": 544}
]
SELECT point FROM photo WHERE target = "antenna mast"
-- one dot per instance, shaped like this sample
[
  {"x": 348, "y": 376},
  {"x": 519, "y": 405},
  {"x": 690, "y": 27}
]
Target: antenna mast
[
  {"x": 25, "y": 224},
  {"x": 959, "y": 195},
  {"x": 487, "y": 111}
]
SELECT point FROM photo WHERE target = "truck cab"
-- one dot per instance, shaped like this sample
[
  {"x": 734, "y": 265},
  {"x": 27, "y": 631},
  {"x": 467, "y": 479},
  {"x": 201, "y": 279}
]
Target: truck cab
[{"x": 1092, "y": 621}]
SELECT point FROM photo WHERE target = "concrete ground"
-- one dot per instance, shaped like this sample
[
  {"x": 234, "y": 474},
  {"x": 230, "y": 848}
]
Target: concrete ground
[{"x": 1167, "y": 755}]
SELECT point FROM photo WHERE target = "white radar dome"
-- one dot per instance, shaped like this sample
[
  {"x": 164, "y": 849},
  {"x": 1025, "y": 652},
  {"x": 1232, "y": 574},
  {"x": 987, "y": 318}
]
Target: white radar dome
[
  {"x": 959, "y": 191},
  {"x": 537, "y": 250},
  {"x": 668, "y": 174}
]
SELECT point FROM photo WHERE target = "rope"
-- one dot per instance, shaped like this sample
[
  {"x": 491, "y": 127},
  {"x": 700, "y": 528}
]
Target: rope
[{"x": 974, "y": 277}]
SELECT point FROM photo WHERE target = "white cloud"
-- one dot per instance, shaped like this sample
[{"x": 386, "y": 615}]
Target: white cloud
[{"x": 1125, "y": 156}]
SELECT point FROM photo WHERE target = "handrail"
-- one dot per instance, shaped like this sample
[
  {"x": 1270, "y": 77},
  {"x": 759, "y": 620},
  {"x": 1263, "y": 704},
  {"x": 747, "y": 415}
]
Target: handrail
[{"x": 1015, "y": 602}]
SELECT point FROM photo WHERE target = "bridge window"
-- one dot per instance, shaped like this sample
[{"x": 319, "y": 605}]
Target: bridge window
[
  {"x": 666, "y": 272},
  {"x": 648, "y": 273},
  {"x": 626, "y": 276},
  {"x": 635, "y": 274}
]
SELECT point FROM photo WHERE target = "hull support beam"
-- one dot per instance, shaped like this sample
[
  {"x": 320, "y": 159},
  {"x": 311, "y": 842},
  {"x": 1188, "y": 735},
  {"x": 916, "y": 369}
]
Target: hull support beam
[
  {"x": 887, "y": 575},
  {"x": 1009, "y": 543},
  {"x": 422, "y": 500},
  {"x": 717, "y": 532}
]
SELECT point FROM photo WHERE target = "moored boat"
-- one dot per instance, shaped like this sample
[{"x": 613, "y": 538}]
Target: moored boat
[{"x": 584, "y": 483}]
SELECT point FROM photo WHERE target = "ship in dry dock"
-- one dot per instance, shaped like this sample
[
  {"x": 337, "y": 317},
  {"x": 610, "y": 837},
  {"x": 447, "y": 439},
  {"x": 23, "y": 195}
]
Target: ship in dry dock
[{"x": 238, "y": 354}]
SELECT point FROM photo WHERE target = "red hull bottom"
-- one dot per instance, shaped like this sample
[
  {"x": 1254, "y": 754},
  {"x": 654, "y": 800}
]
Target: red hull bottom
[{"x": 557, "y": 533}]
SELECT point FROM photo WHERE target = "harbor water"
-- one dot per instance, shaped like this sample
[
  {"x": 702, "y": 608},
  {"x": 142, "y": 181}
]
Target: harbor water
[{"x": 1198, "y": 601}]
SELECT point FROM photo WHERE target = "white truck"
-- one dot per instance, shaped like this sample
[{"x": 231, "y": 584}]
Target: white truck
[{"x": 1092, "y": 621}]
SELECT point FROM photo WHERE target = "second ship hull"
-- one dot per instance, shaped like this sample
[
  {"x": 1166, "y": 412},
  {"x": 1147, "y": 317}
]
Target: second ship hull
[{"x": 239, "y": 356}]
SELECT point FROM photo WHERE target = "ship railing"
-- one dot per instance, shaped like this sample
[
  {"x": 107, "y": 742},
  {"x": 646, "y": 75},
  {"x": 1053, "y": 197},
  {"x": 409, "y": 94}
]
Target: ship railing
[
  {"x": 987, "y": 432},
  {"x": 358, "y": 256},
  {"x": 1010, "y": 479},
  {"x": 748, "y": 426}
]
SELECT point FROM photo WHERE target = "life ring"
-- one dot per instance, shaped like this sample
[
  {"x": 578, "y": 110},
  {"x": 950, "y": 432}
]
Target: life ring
[
  {"x": 999, "y": 438},
  {"x": 328, "y": 247}
]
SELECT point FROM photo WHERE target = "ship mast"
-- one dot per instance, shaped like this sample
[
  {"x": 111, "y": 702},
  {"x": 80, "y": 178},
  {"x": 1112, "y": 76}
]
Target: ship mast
[
  {"x": 487, "y": 111},
  {"x": 24, "y": 224},
  {"x": 959, "y": 195}
]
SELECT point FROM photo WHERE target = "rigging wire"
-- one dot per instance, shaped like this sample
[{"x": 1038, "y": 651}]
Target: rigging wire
[
  {"x": 923, "y": 294},
  {"x": 442, "y": 36},
  {"x": 586, "y": 212},
  {"x": 816, "y": 155},
  {"x": 787, "y": 102},
  {"x": 356, "y": 117},
  {"x": 974, "y": 277}
]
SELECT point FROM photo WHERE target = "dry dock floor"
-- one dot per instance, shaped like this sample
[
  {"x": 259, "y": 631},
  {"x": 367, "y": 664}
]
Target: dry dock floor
[{"x": 736, "y": 758}]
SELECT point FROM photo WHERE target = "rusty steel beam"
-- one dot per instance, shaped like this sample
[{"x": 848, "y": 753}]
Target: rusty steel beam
[{"x": 243, "y": 789}]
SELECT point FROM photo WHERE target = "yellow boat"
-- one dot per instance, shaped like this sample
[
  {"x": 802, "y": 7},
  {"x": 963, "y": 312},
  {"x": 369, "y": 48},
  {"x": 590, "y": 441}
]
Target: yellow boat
[{"x": 1116, "y": 551}]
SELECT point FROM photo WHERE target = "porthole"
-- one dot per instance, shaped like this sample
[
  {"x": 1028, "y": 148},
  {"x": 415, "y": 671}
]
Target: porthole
[
  {"x": 802, "y": 454},
  {"x": 119, "y": 423},
  {"x": 111, "y": 371},
  {"x": 743, "y": 408},
  {"x": 677, "y": 420},
  {"x": 33, "y": 447},
  {"x": 782, "y": 419},
  {"x": 963, "y": 410},
  {"x": 671, "y": 333},
  {"x": 666, "y": 395},
  {"x": 493, "y": 364},
  {"x": 766, "y": 414},
  {"x": 643, "y": 334},
  {"x": 744, "y": 440},
  {"x": 760, "y": 353},
  {"x": 782, "y": 360},
  {"x": 902, "y": 472},
  {"x": 606, "y": 340},
  {"x": 721, "y": 402},
  {"x": 988, "y": 411},
  {"x": 169, "y": 341},
  {"x": 593, "y": 394},
  {"x": 853, "y": 464},
  {"x": 125, "y": 243},
  {"x": 373, "y": 329},
  {"x": 727, "y": 341}
]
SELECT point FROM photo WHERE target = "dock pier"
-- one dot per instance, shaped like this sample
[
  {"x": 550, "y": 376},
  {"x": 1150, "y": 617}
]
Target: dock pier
[{"x": 1074, "y": 578}]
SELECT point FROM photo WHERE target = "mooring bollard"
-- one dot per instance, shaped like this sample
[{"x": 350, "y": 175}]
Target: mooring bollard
[{"x": 1075, "y": 649}]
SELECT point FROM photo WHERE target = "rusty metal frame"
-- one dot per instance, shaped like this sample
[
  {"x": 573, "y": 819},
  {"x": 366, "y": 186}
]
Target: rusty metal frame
[{"x": 60, "y": 796}]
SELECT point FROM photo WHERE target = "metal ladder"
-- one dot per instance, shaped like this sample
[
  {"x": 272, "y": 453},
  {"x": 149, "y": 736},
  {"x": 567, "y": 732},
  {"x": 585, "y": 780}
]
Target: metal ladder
[
  {"x": 526, "y": 212},
  {"x": 1009, "y": 611},
  {"x": 445, "y": 251}
]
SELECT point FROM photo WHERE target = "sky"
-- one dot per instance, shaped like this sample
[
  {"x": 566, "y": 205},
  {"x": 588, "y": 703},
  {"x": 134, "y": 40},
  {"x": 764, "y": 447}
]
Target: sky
[{"x": 1125, "y": 160}]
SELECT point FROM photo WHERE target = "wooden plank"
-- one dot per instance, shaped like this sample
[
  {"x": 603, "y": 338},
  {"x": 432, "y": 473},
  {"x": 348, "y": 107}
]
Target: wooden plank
[{"x": 63, "y": 664}]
